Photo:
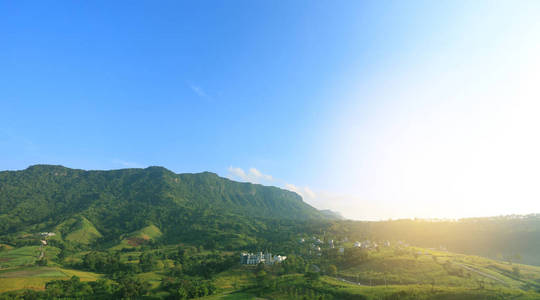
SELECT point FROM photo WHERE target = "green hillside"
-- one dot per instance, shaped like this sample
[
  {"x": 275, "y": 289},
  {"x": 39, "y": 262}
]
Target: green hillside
[
  {"x": 139, "y": 237},
  {"x": 390, "y": 273},
  {"x": 442, "y": 268},
  {"x": 507, "y": 238},
  {"x": 87, "y": 205},
  {"x": 78, "y": 230},
  {"x": 138, "y": 233}
]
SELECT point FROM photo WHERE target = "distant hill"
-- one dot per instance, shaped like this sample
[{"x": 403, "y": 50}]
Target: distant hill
[
  {"x": 88, "y": 205},
  {"x": 332, "y": 214},
  {"x": 507, "y": 238}
]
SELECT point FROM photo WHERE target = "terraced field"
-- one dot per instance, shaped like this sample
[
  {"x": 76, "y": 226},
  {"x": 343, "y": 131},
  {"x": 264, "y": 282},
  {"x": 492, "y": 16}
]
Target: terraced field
[
  {"x": 18, "y": 257},
  {"x": 36, "y": 277}
]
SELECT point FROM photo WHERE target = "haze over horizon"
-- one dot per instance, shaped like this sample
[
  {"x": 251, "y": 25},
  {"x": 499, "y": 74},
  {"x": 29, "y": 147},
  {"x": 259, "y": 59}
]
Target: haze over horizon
[{"x": 375, "y": 110}]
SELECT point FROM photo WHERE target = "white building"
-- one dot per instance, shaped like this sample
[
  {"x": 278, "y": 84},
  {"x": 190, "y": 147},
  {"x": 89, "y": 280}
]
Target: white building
[{"x": 257, "y": 258}]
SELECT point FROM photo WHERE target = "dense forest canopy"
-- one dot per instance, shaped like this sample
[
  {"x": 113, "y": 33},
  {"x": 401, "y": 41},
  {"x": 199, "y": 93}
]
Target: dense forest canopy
[{"x": 182, "y": 206}]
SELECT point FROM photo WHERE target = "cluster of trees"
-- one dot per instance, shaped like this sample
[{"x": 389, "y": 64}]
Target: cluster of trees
[
  {"x": 125, "y": 287},
  {"x": 189, "y": 262},
  {"x": 74, "y": 288},
  {"x": 185, "y": 288},
  {"x": 104, "y": 262},
  {"x": 185, "y": 261}
]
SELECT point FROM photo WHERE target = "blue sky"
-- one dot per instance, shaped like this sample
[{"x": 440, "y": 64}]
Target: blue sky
[{"x": 380, "y": 109}]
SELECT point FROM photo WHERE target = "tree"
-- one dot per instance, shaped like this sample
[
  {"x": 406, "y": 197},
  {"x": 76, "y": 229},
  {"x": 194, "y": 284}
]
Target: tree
[
  {"x": 332, "y": 270},
  {"x": 262, "y": 279},
  {"x": 42, "y": 262},
  {"x": 355, "y": 256},
  {"x": 312, "y": 276},
  {"x": 104, "y": 287},
  {"x": 132, "y": 287},
  {"x": 147, "y": 261}
]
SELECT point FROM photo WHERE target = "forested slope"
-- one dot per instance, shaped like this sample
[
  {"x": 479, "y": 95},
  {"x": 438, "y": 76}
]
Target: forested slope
[{"x": 183, "y": 206}]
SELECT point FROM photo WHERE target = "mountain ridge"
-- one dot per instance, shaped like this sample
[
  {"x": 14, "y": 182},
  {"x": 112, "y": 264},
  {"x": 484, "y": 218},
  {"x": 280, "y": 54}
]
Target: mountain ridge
[{"x": 117, "y": 202}]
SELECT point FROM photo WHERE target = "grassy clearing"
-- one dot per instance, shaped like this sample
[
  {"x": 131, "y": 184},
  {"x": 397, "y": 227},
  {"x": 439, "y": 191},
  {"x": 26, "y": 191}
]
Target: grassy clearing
[
  {"x": 37, "y": 277},
  {"x": 416, "y": 266},
  {"x": 6, "y": 246},
  {"x": 83, "y": 232},
  {"x": 297, "y": 287},
  {"x": 139, "y": 237},
  {"x": 234, "y": 279},
  {"x": 427, "y": 292},
  {"x": 152, "y": 277},
  {"x": 25, "y": 256},
  {"x": 231, "y": 296},
  {"x": 18, "y": 256}
]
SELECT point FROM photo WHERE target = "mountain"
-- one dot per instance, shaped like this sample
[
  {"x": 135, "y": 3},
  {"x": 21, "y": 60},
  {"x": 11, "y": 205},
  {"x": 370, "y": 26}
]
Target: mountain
[
  {"x": 332, "y": 214},
  {"x": 87, "y": 206}
]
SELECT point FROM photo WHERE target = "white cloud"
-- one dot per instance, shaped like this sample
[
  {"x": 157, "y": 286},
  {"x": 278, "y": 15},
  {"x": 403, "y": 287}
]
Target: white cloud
[
  {"x": 198, "y": 90},
  {"x": 305, "y": 191},
  {"x": 257, "y": 174},
  {"x": 291, "y": 187},
  {"x": 127, "y": 164},
  {"x": 252, "y": 175},
  {"x": 237, "y": 172},
  {"x": 319, "y": 199},
  {"x": 309, "y": 192}
]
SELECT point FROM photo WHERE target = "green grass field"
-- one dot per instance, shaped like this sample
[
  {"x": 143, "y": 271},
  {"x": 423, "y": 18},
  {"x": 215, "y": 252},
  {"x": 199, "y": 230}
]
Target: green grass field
[
  {"x": 35, "y": 277},
  {"x": 411, "y": 273},
  {"x": 19, "y": 256},
  {"x": 407, "y": 276},
  {"x": 440, "y": 269},
  {"x": 84, "y": 232},
  {"x": 139, "y": 237}
]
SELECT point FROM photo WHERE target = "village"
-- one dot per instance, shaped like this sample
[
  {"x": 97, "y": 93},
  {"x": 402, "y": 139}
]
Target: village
[{"x": 316, "y": 245}]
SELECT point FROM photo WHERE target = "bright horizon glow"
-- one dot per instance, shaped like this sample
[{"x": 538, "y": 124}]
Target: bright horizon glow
[
  {"x": 375, "y": 110},
  {"x": 456, "y": 135}
]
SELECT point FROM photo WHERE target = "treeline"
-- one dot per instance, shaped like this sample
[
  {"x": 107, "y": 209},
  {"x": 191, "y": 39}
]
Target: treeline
[
  {"x": 127, "y": 287},
  {"x": 185, "y": 261}
]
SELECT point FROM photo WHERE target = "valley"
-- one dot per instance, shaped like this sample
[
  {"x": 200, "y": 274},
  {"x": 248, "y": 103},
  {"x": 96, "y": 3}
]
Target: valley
[{"x": 153, "y": 234}]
